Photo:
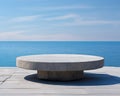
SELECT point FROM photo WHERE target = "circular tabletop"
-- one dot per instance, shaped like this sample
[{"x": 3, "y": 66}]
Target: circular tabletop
[{"x": 60, "y": 62}]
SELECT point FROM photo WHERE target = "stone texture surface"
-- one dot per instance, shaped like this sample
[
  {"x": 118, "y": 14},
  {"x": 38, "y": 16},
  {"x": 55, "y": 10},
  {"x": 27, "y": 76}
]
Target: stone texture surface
[
  {"x": 20, "y": 82},
  {"x": 60, "y": 62},
  {"x": 62, "y": 67},
  {"x": 60, "y": 75}
]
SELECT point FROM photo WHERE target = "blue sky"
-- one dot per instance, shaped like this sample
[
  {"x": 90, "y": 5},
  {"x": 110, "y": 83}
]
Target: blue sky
[{"x": 60, "y": 20}]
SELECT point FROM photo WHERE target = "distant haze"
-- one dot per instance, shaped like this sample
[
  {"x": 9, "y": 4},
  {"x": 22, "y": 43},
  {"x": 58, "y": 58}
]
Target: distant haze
[{"x": 59, "y": 20}]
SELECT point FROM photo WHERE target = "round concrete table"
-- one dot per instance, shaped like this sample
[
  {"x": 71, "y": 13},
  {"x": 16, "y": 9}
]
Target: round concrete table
[{"x": 62, "y": 67}]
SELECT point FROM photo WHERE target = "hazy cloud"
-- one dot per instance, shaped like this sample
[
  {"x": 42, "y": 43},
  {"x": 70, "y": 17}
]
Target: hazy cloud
[
  {"x": 64, "y": 17},
  {"x": 21, "y": 36},
  {"x": 59, "y": 7},
  {"x": 25, "y": 18},
  {"x": 91, "y": 22},
  {"x": 77, "y": 20}
]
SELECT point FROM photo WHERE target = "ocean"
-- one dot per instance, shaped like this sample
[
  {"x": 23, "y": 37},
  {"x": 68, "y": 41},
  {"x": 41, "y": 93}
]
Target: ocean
[{"x": 9, "y": 50}]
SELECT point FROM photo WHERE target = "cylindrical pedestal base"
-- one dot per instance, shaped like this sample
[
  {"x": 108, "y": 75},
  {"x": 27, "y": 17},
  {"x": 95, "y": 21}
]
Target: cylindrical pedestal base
[{"x": 60, "y": 75}]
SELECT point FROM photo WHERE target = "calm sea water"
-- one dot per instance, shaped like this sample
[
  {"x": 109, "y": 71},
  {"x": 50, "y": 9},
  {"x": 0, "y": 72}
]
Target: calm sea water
[{"x": 10, "y": 50}]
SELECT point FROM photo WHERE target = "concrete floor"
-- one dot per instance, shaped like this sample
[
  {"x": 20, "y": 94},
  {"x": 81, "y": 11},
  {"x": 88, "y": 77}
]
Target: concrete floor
[{"x": 20, "y": 82}]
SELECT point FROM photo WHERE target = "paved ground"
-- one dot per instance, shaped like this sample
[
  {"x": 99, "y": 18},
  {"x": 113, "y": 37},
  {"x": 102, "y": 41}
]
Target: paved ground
[{"x": 20, "y": 82}]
